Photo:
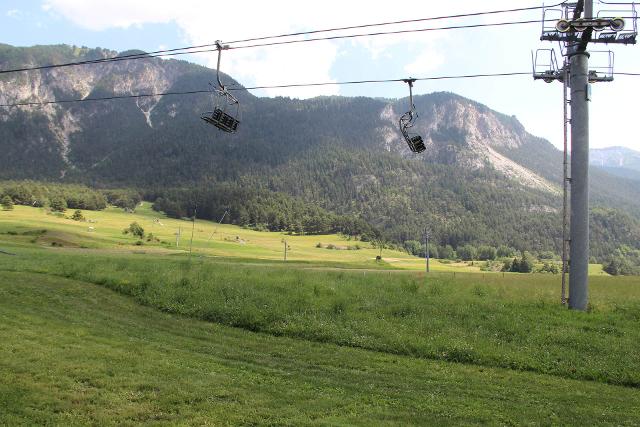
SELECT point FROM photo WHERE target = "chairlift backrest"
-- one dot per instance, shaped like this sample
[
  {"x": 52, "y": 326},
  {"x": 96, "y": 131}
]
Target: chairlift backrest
[
  {"x": 407, "y": 120},
  {"x": 226, "y": 112}
]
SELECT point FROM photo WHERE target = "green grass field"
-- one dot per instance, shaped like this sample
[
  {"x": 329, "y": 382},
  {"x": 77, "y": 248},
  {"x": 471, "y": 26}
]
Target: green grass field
[
  {"x": 209, "y": 239},
  {"x": 75, "y": 354},
  {"x": 97, "y": 330}
]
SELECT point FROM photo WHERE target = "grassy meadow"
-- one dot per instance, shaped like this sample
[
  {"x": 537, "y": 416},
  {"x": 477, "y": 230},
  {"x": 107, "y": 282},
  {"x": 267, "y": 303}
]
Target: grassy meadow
[
  {"x": 209, "y": 239},
  {"x": 98, "y": 330}
]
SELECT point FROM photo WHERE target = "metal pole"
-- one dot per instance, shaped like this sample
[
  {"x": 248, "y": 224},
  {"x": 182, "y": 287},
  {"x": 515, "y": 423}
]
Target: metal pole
[
  {"x": 588, "y": 9},
  {"x": 193, "y": 226},
  {"x": 426, "y": 245},
  {"x": 426, "y": 248},
  {"x": 565, "y": 185},
  {"x": 579, "y": 250},
  {"x": 428, "y": 253}
]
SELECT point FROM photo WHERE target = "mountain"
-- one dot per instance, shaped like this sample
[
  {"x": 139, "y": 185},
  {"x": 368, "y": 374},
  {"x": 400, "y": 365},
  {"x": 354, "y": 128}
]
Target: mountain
[
  {"x": 618, "y": 161},
  {"x": 483, "y": 178}
]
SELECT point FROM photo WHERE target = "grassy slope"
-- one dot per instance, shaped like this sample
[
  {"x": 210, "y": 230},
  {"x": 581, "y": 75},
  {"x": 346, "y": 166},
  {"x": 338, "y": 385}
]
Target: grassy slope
[
  {"x": 106, "y": 360},
  {"x": 487, "y": 320},
  {"x": 210, "y": 239}
]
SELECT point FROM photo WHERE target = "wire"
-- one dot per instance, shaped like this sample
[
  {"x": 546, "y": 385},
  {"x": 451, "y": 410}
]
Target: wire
[
  {"x": 406, "y": 21},
  {"x": 354, "y": 82},
  {"x": 464, "y": 76},
  {"x": 116, "y": 97},
  {"x": 457, "y": 27},
  {"x": 107, "y": 98},
  {"x": 189, "y": 49},
  {"x": 349, "y": 36}
]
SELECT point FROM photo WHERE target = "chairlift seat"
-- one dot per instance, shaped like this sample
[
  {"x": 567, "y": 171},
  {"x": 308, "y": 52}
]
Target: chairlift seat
[
  {"x": 221, "y": 120},
  {"x": 416, "y": 144}
]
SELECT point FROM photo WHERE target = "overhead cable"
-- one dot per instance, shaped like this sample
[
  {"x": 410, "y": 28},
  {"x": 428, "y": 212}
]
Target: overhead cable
[
  {"x": 355, "y": 82},
  {"x": 190, "y": 49},
  {"x": 283, "y": 86}
]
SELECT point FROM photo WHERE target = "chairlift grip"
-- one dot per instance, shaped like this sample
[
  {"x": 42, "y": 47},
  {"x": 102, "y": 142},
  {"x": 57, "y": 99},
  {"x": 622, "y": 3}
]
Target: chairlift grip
[
  {"x": 220, "y": 48},
  {"x": 410, "y": 81}
]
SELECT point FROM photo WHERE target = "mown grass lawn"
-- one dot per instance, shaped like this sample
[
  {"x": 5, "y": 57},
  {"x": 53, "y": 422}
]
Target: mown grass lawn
[
  {"x": 511, "y": 321},
  {"x": 74, "y": 353}
]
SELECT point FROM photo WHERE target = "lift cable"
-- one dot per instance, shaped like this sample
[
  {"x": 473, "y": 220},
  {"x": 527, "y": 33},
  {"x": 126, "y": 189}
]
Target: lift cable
[
  {"x": 215, "y": 49},
  {"x": 283, "y": 86},
  {"x": 381, "y": 33},
  {"x": 212, "y": 46},
  {"x": 238, "y": 88},
  {"x": 406, "y": 21}
]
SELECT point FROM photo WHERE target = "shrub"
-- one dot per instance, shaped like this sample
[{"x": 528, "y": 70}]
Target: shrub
[
  {"x": 58, "y": 204},
  {"x": 550, "y": 267},
  {"x": 77, "y": 216},
  {"x": 447, "y": 252},
  {"x": 135, "y": 229},
  {"x": 7, "y": 203},
  {"x": 487, "y": 253},
  {"x": 505, "y": 252},
  {"x": 468, "y": 253}
]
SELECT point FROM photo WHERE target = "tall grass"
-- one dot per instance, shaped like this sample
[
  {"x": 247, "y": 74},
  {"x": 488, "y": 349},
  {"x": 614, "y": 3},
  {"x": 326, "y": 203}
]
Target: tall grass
[{"x": 511, "y": 322}]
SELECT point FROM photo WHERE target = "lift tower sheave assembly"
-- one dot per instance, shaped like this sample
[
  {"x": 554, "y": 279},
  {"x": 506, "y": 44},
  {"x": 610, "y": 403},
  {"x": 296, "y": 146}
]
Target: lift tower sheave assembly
[{"x": 574, "y": 26}]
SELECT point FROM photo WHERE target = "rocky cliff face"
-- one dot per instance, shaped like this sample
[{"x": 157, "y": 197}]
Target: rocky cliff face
[{"x": 457, "y": 131}]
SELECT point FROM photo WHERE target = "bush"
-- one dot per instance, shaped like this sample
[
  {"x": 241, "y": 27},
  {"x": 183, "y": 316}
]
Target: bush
[
  {"x": 467, "y": 253},
  {"x": 619, "y": 266},
  {"x": 504, "y": 251},
  {"x": 550, "y": 267},
  {"x": 447, "y": 252},
  {"x": 487, "y": 253},
  {"x": 413, "y": 247},
  {"x": 77, "y": 216},
  {"x": 135, "y": 229},
  {"x": 526, "y": 263},
  {"x": 544, "y": 255},
  {"x": 7, "y": 203},
  {"x": 58, "y": 204}
]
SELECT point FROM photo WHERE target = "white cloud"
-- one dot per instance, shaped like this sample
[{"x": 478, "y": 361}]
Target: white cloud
[
  {"x": 202, "y": 22},
  {"x": 14, "y": 13},
  {"x": 425, "y": 62}
]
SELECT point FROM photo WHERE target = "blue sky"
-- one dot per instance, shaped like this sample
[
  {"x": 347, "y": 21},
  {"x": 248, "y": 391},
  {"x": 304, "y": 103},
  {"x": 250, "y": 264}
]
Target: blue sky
[{"x": 153, "y": 25}]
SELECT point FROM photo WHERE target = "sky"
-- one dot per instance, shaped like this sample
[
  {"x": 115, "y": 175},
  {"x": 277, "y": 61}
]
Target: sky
[{"x": 164, "y": 24}]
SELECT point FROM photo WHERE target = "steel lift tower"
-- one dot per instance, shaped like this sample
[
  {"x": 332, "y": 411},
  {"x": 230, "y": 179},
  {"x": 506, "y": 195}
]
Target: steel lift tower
[{"x": 573, "y": 25}]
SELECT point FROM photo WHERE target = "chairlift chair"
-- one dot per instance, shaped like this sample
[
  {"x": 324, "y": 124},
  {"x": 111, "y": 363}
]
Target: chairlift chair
[
  {"x": 414, "y": 141},
  {"x": 226, "y": 108}
]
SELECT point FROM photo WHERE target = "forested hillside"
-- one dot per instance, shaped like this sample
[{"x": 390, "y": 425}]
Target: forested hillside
[{"x": 482, "y": 180}]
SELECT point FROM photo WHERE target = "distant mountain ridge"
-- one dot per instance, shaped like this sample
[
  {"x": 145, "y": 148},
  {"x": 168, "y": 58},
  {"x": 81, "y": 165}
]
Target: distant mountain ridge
[
  {"x": 620, "y": 161},
  {"x": 483, "y": 178}
]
